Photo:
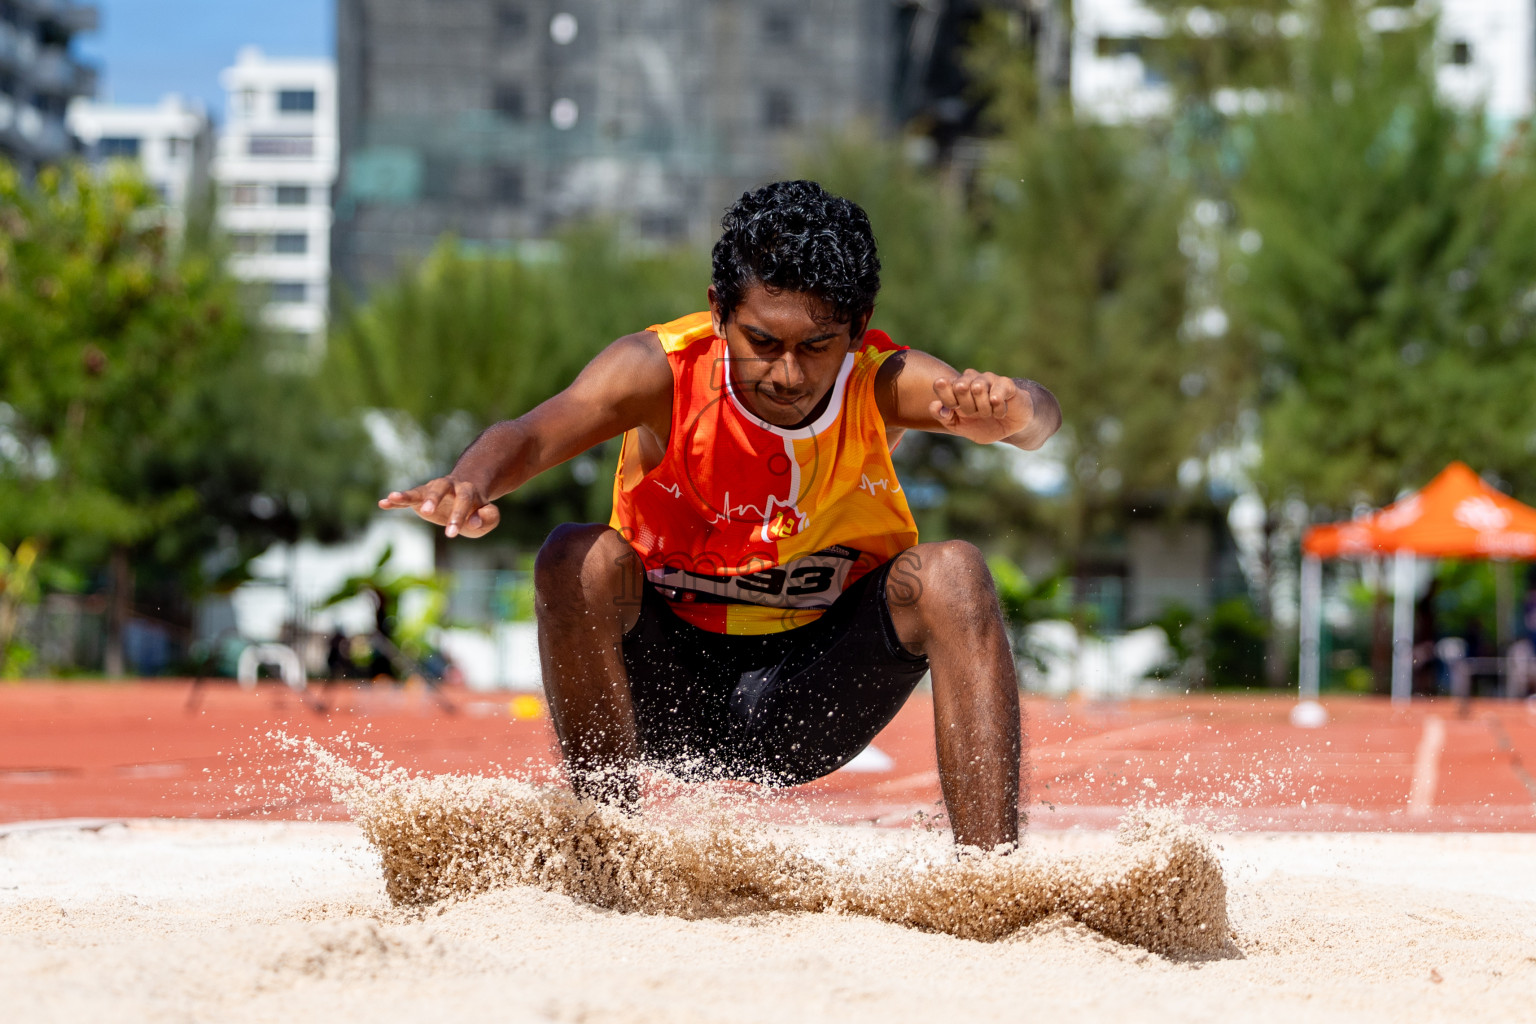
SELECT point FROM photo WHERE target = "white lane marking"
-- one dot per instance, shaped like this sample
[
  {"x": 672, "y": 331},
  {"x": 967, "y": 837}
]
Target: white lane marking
[
  {"x": 1426, "y": 767},
  {"x": 871, "y": 759}
]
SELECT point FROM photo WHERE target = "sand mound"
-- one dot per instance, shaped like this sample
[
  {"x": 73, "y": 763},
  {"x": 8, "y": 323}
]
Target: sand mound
[{"x": 449, "y": 836}]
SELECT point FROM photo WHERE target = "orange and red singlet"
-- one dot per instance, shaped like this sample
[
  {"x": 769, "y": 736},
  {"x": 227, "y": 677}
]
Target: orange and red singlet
[{"x": 747, "y": 527}]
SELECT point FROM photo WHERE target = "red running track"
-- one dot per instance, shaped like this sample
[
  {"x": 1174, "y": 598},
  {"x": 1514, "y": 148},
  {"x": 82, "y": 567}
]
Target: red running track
[{"x": 135, "y": 750}]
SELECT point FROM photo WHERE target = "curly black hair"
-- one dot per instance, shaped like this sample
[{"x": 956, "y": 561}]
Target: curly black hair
[{"x": 797, "y": 236}]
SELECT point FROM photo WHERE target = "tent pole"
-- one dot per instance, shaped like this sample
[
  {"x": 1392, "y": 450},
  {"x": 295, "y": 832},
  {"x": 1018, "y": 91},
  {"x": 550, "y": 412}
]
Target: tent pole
[
  {"x": 1308, "y": 713},
  {"x": 1504, "y": 613},
  {"x": 1402, "y": 627},
  {"x": 1311, "y": 615}
]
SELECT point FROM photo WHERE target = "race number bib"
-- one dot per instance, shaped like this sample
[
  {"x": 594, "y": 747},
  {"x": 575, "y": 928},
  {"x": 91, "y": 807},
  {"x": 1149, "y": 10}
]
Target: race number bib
[{"x": 814, "y": 581}]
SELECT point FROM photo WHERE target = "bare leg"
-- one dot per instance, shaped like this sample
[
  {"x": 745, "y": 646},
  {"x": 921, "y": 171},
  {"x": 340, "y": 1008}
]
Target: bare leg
[
  {"x": 944, "y": 605},
  {"x": 587, "y": 586}
]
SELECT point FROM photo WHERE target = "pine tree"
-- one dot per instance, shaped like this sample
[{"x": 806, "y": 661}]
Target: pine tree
[
  {"x": 1382, "y": 264},
  {"x": 1098, "y": 295}
]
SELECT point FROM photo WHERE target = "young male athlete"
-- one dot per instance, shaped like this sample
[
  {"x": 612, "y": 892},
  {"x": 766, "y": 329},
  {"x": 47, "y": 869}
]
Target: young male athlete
[{"x": 759, "y": 605}]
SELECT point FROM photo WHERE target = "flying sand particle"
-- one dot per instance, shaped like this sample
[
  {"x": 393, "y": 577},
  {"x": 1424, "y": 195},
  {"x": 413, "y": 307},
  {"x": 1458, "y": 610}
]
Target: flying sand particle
[{"x": 443, "y": 837}]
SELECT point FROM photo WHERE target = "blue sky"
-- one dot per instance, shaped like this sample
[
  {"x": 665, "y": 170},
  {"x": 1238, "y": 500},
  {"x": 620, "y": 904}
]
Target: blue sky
[{"x": 146, "y": 48}]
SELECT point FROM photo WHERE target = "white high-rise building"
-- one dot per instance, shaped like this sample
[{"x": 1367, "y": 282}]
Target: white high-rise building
[
  {"x": 275, "y": 169},
  {"x": 1489, "y": 56},
  {"x": 1110, "y": 80},
  {"x": 1486, "y": 57},
  {"x": 172, "y": 142}
]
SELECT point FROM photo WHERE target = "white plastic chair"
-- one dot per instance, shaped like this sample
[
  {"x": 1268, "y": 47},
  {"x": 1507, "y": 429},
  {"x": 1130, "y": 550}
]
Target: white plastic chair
[{"x": 284, "y": 658}]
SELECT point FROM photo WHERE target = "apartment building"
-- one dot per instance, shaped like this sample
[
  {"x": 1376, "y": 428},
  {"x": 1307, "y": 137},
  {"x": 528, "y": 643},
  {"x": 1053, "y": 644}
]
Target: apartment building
[
  {"x": 275, "y": 169},
  {"x": 39, "y": 76},
  {"x": 171, "y": 141}
]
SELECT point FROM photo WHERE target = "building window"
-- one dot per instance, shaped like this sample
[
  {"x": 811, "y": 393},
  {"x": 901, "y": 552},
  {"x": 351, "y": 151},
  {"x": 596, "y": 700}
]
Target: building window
[
  {"x": 779, "y": 28},
  {"x": 293, "y": 195},
  {"x": 280, "y": 145},
  {"x": 1461, "y": 52},
  {"x": 290, "y": 243},
  {"x": 176, "y": 148},
  {"x": 507, "y": 186},
  {"x": 778, "y": 109},
  {"x": 287, "y": 292},
  {"x": 665, "y": 227},
  {"x": 1118, "y": 46},
  {"x": 118, "y": 148},
  {"x": 243, "y": 195},
  {"x": 248, "y": 102},
  {"x": 507, "y": 100},
  {"x": 289, "y": 344},
  {"x": 296, "y": 101},
  {"x": 511, "y": 23},
  {"x": 244, "y": 243}
]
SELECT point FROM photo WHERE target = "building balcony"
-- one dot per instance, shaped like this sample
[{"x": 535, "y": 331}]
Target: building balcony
[
  {"x": 31, "y": 137},
  {"x": 18, "y": 49},
  {"x": 50, "y": 140},
  {"x": 54, "y": 72},
  {"x": 85, "y": 80}
]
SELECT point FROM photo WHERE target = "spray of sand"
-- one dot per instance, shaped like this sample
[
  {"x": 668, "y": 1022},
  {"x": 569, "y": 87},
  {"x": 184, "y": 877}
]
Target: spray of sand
[{"x": 450, "y": 836}]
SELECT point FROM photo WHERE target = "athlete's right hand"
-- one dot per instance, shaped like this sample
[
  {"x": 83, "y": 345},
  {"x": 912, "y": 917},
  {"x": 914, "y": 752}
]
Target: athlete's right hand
[{"x": 456, "y": 505}]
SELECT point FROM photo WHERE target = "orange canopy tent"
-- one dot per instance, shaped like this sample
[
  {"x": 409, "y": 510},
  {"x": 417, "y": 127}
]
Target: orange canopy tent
[{"x": 1456, "y": 515}]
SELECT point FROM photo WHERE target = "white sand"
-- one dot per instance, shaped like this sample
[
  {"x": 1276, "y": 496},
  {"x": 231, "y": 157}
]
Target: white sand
[{"x": 183, "y": 921}]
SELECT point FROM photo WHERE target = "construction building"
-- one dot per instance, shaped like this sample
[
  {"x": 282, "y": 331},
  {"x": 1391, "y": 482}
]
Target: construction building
[{"x": 499, "y": 120}]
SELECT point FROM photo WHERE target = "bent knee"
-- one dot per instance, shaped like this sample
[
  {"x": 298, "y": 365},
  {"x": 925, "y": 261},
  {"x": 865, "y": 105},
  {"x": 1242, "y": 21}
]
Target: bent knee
[
  {"x": 956, "y": 565},
  {"x": 579, "y": 553},
  {"x": 949, "y": 575}
]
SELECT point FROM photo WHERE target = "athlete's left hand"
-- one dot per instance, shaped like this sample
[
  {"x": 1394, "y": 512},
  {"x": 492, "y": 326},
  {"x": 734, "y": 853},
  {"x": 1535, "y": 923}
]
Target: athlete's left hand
[{"x": 981, "y": 407}]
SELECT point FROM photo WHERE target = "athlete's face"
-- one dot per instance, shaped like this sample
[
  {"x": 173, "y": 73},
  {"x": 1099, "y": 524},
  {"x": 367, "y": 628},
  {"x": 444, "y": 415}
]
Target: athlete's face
[{"x": 785, "y": 356}]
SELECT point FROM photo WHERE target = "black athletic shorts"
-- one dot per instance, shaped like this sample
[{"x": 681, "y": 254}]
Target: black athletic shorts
[{"x": 781, "y": 708}]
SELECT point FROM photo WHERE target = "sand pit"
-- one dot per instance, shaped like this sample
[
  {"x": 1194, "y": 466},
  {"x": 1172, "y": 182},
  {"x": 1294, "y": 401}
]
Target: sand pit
[{"x": 247, "y": 921}]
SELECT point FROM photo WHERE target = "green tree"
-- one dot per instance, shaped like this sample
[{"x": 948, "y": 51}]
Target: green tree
[
  {"x": 1216, "y": 50},
  {"x": 1383, "y": 266},
  {"x": 1066, "y": 257},
  {"x": 1094, "y": 238},
  {"x": 935, "y": 287},
  {"x": 469, "y": 338},
  {"x": 1374, "y": 262},
  {"x": 142, "y": 429},
  {"x": 939, "y": 291},
  {"x": 19, "y": 588}
]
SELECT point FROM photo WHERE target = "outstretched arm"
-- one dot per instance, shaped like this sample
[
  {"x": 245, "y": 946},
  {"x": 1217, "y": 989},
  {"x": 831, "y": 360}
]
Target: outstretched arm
[
  {"x": 920, "y": 392},
  {"x": 628, "y": 384}
]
